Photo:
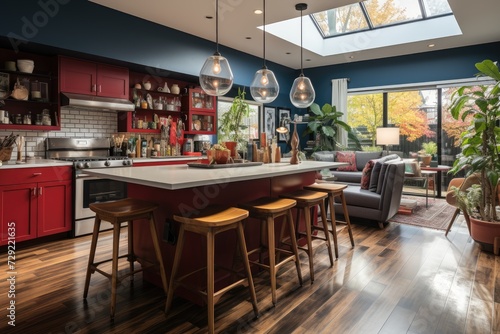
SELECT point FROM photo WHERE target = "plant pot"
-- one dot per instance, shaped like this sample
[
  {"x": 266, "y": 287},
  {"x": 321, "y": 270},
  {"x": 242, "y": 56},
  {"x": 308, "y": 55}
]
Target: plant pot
[
  {"x": 426, "y": 160},
  {"x": 231, "y": 145},
  {"x": 487, "y": 234}
]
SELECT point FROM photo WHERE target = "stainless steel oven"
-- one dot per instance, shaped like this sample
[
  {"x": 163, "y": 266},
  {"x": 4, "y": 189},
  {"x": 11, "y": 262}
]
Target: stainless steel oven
[
  {"x": 90, "y": 189},
  {"x": 86, "y": 154}
]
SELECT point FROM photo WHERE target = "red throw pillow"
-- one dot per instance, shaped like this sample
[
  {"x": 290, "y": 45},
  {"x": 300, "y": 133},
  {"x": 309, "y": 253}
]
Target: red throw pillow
[
  {"x": 367, "y": 173},
  {"x": 347, "y": 156}
]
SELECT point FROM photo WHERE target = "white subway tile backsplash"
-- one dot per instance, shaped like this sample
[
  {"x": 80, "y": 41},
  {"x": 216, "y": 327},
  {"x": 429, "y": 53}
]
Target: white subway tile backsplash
[{"x": 74, "y": 124}]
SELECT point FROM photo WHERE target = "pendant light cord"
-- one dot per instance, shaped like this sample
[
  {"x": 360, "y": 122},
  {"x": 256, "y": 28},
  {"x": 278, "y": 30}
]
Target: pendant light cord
[
  {"x": 301, "y": 49},
  {"x": 217, "y": 25},
  {"x": 264, "y": 33}
]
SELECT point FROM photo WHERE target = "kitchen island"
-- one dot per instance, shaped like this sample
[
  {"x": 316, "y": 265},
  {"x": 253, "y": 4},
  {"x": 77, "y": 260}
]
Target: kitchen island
[{"x": 180, "y": 189}]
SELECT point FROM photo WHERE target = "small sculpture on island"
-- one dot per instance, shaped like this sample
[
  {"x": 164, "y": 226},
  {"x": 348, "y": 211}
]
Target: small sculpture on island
[{"x": 294, "y": 160}]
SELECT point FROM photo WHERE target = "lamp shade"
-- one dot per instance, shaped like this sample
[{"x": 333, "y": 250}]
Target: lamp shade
[
  {"x": 302, "y": 94},
  {"x": 216, "y": 77},
  {"x": 264, "y": 87},
  {"x": 387, "y": 136}
]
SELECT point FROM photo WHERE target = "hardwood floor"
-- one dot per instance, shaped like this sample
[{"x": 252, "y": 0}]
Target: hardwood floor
[{"x": 402, "y": 279}]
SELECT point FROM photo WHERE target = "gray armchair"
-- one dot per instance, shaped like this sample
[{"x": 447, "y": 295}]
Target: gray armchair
[{"x": 379, "y": 205}]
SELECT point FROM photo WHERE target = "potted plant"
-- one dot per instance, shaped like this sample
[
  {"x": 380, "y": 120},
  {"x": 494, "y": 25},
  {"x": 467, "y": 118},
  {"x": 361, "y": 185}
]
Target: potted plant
[
  {"x": 230, "y": 123},
  {"x": 324, "y": 123},
  {"x": 427, "y": 152},
  {"x": 480, "y": 153}
]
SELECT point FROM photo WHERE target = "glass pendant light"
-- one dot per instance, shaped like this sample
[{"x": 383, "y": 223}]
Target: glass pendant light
[
  {"x": 216, "y": 77},
  {"x": 264, "y": 87},
  {"x": 302, "y": 93}
]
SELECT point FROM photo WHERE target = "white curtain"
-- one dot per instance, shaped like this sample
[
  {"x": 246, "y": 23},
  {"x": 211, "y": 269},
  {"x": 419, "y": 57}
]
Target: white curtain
[{"x": 339, "y": 100}]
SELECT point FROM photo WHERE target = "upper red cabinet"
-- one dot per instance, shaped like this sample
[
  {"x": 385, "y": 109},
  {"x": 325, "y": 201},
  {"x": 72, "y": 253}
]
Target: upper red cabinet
[{"x": 89, "y": 78}]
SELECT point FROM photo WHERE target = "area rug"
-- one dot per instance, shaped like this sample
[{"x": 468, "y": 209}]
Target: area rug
[{"x": 437, "y": 215}]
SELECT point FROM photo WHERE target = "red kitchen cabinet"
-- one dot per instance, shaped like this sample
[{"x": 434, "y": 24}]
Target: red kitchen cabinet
[
  {"x": 18, "y": 212},
  {"x": 201, "y": 112},
  {"x": 89, "y": 78},
  {"x": 36, "y": 201}
]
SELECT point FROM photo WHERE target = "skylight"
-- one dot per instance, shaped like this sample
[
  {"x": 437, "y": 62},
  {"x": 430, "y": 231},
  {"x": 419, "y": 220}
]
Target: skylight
[
  {"x": 372, "y": 14},
  {"x": 370, "y": 24}
]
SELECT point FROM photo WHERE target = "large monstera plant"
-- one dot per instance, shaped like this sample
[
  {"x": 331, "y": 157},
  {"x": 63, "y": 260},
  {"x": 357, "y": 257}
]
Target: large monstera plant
[
  {"x": 480, "y": 142},
  {"x": 324, "y": 123}
]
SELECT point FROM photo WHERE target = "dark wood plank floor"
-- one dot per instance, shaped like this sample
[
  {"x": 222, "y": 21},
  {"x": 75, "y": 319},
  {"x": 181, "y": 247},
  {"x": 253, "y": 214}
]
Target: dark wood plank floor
[{"x": 402, "y": 279}]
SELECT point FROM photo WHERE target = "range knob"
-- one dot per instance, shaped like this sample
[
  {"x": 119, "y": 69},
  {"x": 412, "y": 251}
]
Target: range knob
[
  {"x": 79, "y": 165},
  {"x": 126, "y": 162},
  {"x": 107, "y": 163},
  {"x": 86, "y": 165}
]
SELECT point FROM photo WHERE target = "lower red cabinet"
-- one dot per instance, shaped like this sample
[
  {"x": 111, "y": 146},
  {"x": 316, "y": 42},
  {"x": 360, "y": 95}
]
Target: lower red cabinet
[{"x": 38, "y": 204}]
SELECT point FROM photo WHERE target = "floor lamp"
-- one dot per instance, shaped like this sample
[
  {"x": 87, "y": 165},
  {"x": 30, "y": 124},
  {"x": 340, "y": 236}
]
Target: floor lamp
[{"x": 387, "y": 137}]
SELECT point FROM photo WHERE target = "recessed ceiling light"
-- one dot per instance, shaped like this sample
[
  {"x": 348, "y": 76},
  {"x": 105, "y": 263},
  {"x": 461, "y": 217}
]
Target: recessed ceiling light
[
  {"x": 288, "y": 53},
  {"x": 308, "y": 59},
  {"x": 209, "y": 17},
  {"x": 258, "y": 11},
  {"x": 351, "y": 57},
  {"x": 431, "y": 45},
  {"x": 248, "y": 37}
]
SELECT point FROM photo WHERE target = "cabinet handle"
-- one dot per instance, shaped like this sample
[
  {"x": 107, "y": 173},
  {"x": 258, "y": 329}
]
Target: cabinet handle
[
  {"x": 40, "y": 192},
  {"x": 34, "y": 191},
  {"x": 94, "y": 87},
  {"x": 100, "y": 90},
  {"x": 37, "y": 174}
]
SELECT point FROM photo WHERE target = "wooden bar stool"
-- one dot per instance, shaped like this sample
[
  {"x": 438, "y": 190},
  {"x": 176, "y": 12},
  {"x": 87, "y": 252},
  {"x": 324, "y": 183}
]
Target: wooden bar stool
[
  {"x": 267, "y": 209},
  {"x": 118, "y": 212},
  {"x": 209, "y": 223},
  {"x": 306, "y": 200},
  {"x": 334, "y": 190}
]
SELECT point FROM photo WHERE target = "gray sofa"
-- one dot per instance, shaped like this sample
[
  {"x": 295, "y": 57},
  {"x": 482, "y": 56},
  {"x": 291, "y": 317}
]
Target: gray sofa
[{"x": 381, "y": 200}]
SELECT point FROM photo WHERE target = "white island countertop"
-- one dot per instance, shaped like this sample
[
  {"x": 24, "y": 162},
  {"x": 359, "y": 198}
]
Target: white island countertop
[{"x": 182, "y": 176}]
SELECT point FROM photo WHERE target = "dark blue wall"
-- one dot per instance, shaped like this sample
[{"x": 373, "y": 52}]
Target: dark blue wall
[{"x": 87, "y": 28}]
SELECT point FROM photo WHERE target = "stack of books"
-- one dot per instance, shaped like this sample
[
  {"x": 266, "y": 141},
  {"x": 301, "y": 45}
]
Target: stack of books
[{"x": 407, "y": 206}]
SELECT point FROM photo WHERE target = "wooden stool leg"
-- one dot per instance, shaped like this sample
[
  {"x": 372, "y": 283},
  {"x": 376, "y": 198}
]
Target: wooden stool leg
[
  {"x": 210, "y": 281},
  {"x": 131, "y": 255},
  {"x": 175, "y": 267},
  {"x": 291, "y": 230},
  {"x": 346, "y": 217},
  {"x": 334, "y": 224},
  {"x": 243, "y": 249},
  {"x": 325, "y": 228},
  {"x": 272, "y": 256},
  {"x": 307, "y": 219},
  {"x": 93, "y": 245},
  {"x": 114, "y": 267},
  {"x": 156, "y": 244}
]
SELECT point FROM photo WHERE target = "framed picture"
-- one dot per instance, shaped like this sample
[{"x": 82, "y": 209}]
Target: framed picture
[
  {"x": 4, "y": 85},
  {"x": 269, "y": 122},
  {"x": 284, "y": 113}
]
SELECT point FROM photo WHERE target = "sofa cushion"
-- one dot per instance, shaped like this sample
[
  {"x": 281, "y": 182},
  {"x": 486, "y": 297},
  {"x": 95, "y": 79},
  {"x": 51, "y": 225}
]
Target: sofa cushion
[
  {"x": 376, "y": 170},
  {"x": 355, "y": 196},
  {"x": 349, "y": 157},
  {"x": 347, "y": 177},
  {"x": 367, "y": 172},
  {"x": 363, "y": 157},
  {"x": 324, "y": 156}
]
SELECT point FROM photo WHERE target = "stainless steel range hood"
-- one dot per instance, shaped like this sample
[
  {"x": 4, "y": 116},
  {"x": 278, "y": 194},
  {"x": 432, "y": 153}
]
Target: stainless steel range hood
[{"x": 89, "y": 102}]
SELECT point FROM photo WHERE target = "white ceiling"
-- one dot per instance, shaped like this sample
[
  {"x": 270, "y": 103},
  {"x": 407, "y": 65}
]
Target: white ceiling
[{"x": 477, "y": 19}]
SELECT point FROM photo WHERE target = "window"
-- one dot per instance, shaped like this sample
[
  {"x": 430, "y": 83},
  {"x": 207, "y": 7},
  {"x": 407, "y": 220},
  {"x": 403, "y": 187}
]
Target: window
[{"x": 251, "y": 122}]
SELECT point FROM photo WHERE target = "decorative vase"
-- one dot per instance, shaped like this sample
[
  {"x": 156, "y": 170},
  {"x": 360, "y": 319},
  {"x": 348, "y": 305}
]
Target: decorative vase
[
  {"x": 487, "y": 234},
  {"x": 294, "y": 143},
  {"x": 175, "y": 89}
]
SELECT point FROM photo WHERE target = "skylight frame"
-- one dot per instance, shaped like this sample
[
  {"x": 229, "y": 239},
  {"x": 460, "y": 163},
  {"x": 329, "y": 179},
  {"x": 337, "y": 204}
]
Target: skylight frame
[{"x": 369, "y": 24}]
